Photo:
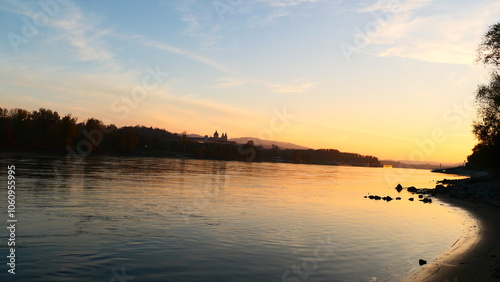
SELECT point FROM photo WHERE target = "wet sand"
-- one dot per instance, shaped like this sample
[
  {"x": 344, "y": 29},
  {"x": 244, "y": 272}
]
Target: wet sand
[{"x": 476, "y": 255}]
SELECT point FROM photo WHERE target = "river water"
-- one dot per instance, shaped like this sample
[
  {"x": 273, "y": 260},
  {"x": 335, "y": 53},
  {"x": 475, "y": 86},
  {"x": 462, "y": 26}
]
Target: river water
[{"x": 105, "y": 218}]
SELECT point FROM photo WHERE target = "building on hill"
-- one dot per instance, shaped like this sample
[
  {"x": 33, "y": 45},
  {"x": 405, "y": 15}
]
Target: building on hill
[{"x": 215, "y": 139}]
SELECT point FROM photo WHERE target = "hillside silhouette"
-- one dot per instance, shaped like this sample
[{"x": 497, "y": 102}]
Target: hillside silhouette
[
  {"x": 47, "y": 130},
  {"x": 268, "y": 144}
]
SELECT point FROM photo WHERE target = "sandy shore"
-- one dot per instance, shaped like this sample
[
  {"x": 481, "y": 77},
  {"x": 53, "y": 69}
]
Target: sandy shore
[{"x": 476, "y": 255}]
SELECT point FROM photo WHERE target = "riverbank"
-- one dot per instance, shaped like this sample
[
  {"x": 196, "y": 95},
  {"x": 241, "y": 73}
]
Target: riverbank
[
  {"x": 476, "y": 255},
  {"x": 463, "y": 170},
  {"x": 175, "y": 155}
]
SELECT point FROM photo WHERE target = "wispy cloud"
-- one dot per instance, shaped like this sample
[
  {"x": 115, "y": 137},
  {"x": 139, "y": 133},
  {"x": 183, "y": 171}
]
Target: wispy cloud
[
  {"x": 216, "y": 107},
  {"x": 287, "y": 3},
  {"x": 298, "y": 87},
  {"x": 82, "y": 32},
  {"x": 201, "y": 19},
  {"x": 274, "y": 10},
  {"x": 230, "y": 82},
  {"x": 71, "y": 24},
  {"x": 191, "y": 55},
  {"x": 270, "y": 18},
  {"x": 207, "y": 21},
  {"x": 396, "y": 6},
  {"x": 431, "y": 37},
  {"x": 17, "y": 7}
]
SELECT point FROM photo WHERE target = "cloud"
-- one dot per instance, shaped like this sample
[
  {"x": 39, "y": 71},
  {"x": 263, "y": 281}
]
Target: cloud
[
  {"x": 287, "y": 3},
  {"x": 207, "y": 61},
  {"x": 230, "y": 82},
  {"x": 92, "y": 94},
  {"x": 82, "y": 32},
  {"x": 64, "y": 21},
  {"x": 300, "y": 87},
  {"x": 270, "y": 18},
  {"x": 217, "y": 107},
  {"x": 17, "y": 7},
  {"x": 201, "y": 20},
  {"x": 90, "y": 91},
  {"x": 208, "y": 20},
  {"x": 396, "y": 6},
  {"x": 271, "y": 11},
  {"x": 444, "y": 36}
]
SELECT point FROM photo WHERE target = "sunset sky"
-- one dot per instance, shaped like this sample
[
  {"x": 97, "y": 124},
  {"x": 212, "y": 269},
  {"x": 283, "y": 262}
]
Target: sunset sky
[{"x": 394, "y": 79}]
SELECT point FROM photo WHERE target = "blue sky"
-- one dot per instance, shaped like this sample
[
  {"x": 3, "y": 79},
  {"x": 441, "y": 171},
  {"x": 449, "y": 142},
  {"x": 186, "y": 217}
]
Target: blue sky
[{"x": 374, "y": 77}]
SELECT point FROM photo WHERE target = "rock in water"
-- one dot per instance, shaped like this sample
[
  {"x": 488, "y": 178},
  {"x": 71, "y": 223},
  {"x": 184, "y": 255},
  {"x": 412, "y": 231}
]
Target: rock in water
[
  {"x": 427, "y": 200},
  {"x": 412, "y": 189},
  {"x": 399, "y": 188},
  {"x": 440, "y": 187},
  {"x": 422, "y": 262}
]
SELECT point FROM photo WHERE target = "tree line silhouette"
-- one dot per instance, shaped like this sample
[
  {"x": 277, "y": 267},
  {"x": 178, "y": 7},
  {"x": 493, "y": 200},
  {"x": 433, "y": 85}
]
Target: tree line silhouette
[
  {"x": 46, "y": 129},
  {"x": 486, "y": 128}
]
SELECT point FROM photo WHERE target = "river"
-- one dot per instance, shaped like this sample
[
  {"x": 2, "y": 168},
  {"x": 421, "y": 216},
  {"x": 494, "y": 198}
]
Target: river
[{"x": 104, "y": 218}]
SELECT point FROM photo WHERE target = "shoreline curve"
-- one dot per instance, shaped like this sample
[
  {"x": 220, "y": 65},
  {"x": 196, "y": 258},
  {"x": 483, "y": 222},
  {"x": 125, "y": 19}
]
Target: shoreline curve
[{"x": 476, "y": 254}]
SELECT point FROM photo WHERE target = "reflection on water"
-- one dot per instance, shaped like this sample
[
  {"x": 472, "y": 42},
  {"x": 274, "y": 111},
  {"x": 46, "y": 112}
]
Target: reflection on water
[{"x": 153, "y": 219}]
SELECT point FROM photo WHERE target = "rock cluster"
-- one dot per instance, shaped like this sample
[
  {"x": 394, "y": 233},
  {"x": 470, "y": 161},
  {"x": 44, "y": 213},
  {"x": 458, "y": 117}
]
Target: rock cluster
[
  {"x": 470, "y": 187},
  {"x": 412, "y": 190},
  {"x": 386, "y": 198},
  {"x": 458, "y": 188}
]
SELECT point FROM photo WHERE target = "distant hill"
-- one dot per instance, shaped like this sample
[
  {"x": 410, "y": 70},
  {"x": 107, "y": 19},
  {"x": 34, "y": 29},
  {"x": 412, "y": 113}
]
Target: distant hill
[
  {"x": 419, "y": 165},
  {"x": 268, "y": 143},
  {"x": 194, "y": 136}
]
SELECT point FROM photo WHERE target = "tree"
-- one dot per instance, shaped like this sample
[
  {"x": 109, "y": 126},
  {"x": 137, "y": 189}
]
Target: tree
[
  {"x": 22, "y": 127},
  {"x": 6, "y": 129},
  {"x": 68, "y": 130},
  {"x": 184, "y": 139},
  {"x": 487, "y": 126},
  {"x": 45, "y": 128},
  {"x": 489, "y": 49}
]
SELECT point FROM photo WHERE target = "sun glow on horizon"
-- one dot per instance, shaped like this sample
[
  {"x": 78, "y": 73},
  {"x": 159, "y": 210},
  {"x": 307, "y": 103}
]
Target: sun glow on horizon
[{"x": 367, "y": 78}]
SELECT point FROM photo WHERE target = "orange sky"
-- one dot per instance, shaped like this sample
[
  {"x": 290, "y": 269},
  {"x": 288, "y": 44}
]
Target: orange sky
[{"x": 393, "y": 80}]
